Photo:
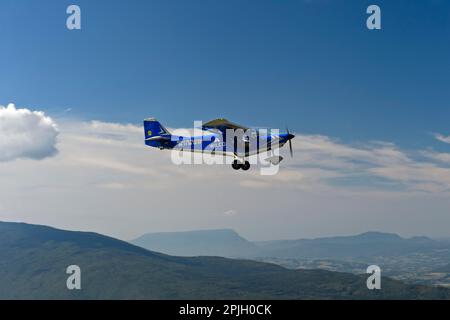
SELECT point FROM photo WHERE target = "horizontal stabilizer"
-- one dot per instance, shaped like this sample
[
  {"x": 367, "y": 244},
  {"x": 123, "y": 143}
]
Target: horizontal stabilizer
[{"x": 159, "y": 138}]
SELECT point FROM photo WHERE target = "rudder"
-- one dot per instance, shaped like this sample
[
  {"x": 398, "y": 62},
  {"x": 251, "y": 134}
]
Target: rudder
[{"x": 152, "y": 128}]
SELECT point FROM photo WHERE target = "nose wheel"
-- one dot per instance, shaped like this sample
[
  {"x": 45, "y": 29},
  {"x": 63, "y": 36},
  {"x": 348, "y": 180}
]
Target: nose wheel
[{"x": 239, "y": 165}]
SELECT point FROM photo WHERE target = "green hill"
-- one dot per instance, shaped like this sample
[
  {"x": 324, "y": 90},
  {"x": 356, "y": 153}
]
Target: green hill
[{"x": 33, "y": 260}]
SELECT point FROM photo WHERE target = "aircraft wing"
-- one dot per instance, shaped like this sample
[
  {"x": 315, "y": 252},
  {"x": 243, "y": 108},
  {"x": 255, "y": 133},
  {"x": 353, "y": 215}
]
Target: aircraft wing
[{"x": 222, "y": 125}]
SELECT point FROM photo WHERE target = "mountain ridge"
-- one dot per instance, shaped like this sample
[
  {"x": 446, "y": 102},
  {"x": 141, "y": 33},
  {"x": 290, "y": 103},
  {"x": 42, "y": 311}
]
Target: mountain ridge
[
  {"x": 33, "y": 261},
  {"x": 212, "y": 242},
  {"x": 193, "y": 243}
]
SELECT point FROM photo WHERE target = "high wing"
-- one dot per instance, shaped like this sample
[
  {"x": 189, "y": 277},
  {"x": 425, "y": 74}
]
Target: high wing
[
  {"x": 222, "y": 125},
  {"x": 242, "y": 143}
]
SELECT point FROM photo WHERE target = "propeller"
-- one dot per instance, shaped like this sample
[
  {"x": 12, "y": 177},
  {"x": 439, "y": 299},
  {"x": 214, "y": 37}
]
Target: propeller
[{"x": 290, "y": 142}]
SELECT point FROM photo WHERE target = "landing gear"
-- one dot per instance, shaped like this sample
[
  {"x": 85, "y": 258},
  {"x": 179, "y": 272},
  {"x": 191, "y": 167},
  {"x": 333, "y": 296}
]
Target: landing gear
[
  {"x": 239, "y": 165},
  {"x": 236, "y": 165}
]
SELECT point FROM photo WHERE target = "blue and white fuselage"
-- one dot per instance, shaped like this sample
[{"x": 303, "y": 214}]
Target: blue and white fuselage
[{"x": 218, "y": 137}]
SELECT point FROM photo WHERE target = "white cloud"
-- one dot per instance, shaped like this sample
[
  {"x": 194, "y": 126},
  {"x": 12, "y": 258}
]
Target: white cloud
[
  {"x": 326, "y": 152},
  {"x": 26, "y": 134},
  {"x": 438, "y": 156},
  {"x": 442, "y": 138},
  {"x": 362, "y": 164}
]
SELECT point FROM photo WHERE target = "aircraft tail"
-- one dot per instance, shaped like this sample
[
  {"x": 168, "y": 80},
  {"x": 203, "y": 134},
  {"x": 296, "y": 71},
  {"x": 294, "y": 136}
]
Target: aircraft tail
[{"x": 154, "y": 130}]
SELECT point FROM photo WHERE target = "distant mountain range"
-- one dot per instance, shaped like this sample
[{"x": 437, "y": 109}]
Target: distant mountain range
[
  {"x": 221, "y": 242},
  {"x": 362, "y": 246},
  {"x": 33, "y": 261},
  {"x": 416, "y": 260},
  {"x": 228, "y": 243}
]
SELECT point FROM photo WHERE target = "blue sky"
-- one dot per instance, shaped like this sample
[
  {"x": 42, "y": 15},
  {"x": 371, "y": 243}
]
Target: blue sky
[{"x": 311, "y": 65}]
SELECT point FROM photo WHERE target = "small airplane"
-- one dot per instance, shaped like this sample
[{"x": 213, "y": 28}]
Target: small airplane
[{"x": 222, "y": 137}]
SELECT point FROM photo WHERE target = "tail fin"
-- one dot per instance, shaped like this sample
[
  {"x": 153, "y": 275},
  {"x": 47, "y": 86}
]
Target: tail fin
[{"x": 154, "y": 129}]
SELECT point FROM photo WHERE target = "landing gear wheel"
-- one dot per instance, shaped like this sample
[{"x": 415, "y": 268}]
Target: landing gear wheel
[
  {"x": 246, "y": 166},
  {"x": 236, "y": 165}
]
